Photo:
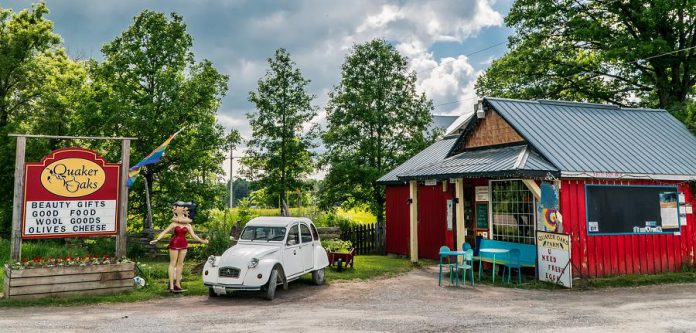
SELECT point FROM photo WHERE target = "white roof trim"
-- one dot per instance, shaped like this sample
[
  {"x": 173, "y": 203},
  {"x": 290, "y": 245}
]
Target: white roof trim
[
  {"x": 620, "y": 175},
  {"x": 522, "y": 158}
]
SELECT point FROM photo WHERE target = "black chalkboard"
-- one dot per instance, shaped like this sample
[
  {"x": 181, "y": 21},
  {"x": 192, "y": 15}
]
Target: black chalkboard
[
  {"x": 631, "y": 209},
  {"x": 481, "y": 216}
]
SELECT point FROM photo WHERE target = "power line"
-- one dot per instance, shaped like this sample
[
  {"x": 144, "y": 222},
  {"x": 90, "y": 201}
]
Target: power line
[
  {"x": 666, "y": 53},
  {"x": 466, "y": 55}
]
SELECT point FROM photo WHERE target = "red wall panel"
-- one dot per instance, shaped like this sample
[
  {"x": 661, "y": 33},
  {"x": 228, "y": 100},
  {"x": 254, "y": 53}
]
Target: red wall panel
[
  {"x": 595, "y": 256},
  {"x": 432, "y": 220},
  {"x": 397, "y": 219}
]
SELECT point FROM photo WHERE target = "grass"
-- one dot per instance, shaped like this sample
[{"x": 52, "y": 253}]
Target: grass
[
  {"x": 360, "y": 216},
  {"x": 155, "y": 272},
  {"x": 357, "y": 215}
]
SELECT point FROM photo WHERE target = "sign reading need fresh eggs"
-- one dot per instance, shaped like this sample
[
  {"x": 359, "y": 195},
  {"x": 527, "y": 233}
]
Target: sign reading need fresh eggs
[{"x": 72, "y": 192}]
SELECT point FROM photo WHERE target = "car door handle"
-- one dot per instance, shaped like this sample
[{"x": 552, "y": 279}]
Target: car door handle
[{"x": 294, "y": 252}]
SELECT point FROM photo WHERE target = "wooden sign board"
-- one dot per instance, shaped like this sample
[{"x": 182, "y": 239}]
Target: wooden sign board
[
  {"x": 72, "y": 192},
  {"x": 553, "y": 258}
]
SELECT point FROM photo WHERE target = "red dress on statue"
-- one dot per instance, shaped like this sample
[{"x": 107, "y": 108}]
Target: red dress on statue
[{"x": 179, "y": 242}]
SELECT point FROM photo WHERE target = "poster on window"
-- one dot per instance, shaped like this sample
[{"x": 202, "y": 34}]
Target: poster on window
[
  {"x": 553, "y": 257},
  {"x": 547, "y": 210}
]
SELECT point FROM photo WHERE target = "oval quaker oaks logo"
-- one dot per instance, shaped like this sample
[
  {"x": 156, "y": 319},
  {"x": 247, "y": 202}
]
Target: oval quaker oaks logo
[{"x": 73, "y": 177}]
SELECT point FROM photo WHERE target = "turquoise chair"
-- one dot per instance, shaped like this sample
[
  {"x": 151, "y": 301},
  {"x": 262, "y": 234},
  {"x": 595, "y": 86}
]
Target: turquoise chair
[
  {"x": 513, "y": 263},
  {"x": 444, "y": 253},
  {"x": 467, "y": 265},
  {"x": 466, "y": 246}
]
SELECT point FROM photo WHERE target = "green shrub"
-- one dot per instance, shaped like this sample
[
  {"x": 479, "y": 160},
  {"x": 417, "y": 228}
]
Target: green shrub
[
  {"x": 219, "y": 235},
  {"x": 333, "y": 220},
  {"x": 336, "y": 245}
]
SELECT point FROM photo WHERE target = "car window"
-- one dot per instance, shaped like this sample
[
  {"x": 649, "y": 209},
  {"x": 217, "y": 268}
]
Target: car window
[
  {"x": 306, "y": 235},
  {"x": 294, "y": 235},
  {"x": 263, "y": 233},
  {"x": 315, "y": 233}
]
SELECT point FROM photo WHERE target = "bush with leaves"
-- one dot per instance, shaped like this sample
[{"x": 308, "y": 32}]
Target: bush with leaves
[{"x": 336, "y": 245}]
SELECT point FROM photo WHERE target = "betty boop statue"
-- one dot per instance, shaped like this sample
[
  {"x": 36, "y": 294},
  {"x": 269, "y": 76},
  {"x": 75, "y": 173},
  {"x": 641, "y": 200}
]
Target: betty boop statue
[{"x": 184, "y": 212}]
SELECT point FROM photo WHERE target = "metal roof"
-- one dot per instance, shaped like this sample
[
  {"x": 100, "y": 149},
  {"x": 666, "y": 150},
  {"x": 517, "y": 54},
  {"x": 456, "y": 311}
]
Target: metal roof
[
  {"x": 434, "y": 153},
  {"x": 598, "y": 138},
  {"x": 515, "y": 161}
]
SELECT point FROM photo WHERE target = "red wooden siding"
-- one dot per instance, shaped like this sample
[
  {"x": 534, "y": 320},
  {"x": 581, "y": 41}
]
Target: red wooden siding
[
  {"x": 432, "y": 220},
  {"x": 397, "y": 218},
  {"x": 595, "y": 256}
]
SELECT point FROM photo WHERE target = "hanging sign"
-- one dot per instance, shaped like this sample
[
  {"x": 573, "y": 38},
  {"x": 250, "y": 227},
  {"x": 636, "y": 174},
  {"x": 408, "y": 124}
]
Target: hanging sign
[
  {"x": 72, "y": 192},
  {"x": 553, "y": 258},
  {"x": 481, "y": 193}
]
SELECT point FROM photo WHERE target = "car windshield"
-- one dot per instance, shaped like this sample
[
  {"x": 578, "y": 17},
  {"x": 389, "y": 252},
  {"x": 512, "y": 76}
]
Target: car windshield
[{"x": 263, "y": 233}]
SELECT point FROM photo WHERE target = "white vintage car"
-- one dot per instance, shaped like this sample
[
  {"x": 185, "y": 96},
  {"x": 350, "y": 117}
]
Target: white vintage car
[{"x": 271, "y": 251}]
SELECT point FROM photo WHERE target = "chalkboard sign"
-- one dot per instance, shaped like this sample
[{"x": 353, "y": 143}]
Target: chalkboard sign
[
  {"x": 631, "y": 209},
  {"x": 482, "y": 216}
]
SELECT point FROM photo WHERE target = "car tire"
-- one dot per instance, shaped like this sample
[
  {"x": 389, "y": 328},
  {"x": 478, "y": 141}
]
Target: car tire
[
  {"x": 318, "y": 277},
  {"x": 272, "y": 284},
  {"x": 212, "y": 293}
]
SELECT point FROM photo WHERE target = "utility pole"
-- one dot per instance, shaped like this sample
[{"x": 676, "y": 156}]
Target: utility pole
[{"x": 231, "y": 203}]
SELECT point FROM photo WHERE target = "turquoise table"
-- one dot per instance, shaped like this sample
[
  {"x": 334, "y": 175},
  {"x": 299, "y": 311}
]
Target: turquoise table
[{"x": 492, "y": 251}]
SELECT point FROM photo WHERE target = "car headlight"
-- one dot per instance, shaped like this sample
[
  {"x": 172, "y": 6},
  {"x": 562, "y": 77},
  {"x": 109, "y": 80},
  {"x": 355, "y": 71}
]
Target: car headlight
[
  {"x": 212, "y": 260},
  {"x": 253, "y": 263}
]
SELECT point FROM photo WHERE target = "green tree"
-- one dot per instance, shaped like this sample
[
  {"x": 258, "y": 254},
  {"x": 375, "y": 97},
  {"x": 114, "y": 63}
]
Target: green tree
[
  {"x": 149, "y": 86},
  {"x": 599, "y": 51},
  {"x": 376, "y": 120},
  {"x": 278, "y": 155},
  {"x": 40, "y": 88}
]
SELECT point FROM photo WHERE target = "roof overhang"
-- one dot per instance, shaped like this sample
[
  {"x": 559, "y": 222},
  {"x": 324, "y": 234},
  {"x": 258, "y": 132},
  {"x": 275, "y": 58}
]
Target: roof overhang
[{"x": 627, "y": 176}]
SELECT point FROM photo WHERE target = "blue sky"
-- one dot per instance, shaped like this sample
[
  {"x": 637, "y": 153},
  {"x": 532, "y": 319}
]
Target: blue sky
[{"x": 238, "y": 36}]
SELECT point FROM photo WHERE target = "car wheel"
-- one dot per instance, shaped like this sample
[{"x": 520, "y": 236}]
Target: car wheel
[
  {"x": 272, "y": 284},
  {"x": 318, "y": 276},
  {"x": 212, "y": 293}
]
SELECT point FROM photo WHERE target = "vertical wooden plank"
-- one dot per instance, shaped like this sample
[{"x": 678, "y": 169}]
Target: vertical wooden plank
[
  {"x": 459, "y": 208},
  {"x": 17, "y": 200},
  {"x": 123, "y": 200},
  {"x": 413, "y": 208}
]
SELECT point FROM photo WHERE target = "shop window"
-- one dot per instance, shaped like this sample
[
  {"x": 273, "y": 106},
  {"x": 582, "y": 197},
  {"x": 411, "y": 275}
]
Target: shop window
[{"x": 512, "y": 208}]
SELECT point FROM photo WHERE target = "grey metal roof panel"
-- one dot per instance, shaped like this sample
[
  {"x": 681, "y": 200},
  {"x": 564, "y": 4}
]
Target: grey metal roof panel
[
  {"x": 434, "y": 153},
  {"x": 506, "y": 160},
  {"x": 443, "y": 122},
  {"x": 583, "y": 137}
]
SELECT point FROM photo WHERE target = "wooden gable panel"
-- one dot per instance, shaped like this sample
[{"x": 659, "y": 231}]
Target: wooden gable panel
[{"x": 492, "y": 130}]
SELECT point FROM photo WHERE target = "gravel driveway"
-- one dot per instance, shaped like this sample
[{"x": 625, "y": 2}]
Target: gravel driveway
[{"x": 408, "y": 303}]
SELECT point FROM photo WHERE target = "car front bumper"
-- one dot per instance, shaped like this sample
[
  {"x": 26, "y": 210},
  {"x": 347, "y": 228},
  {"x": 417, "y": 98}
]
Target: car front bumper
[{"x": 230, "y": 286}]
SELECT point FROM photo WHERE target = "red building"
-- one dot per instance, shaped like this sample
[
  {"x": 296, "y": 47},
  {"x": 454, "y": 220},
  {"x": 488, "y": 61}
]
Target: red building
[{"x": 624, "y": 180}]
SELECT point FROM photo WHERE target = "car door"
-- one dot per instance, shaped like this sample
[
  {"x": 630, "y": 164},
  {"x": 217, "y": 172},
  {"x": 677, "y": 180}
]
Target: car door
[
  {"x": 306, "y": 248},
  {"x": 292, "y": 262}
]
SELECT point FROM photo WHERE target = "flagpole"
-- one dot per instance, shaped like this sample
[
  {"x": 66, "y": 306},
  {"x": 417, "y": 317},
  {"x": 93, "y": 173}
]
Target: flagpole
[{"x": 148, "y": 218}]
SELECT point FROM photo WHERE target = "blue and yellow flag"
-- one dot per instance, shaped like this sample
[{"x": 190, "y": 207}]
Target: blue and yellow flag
[{"x": 152, "y": 158}]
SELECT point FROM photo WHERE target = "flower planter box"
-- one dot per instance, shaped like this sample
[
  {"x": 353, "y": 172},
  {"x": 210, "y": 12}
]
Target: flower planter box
[{"x": 32, "y": 283}]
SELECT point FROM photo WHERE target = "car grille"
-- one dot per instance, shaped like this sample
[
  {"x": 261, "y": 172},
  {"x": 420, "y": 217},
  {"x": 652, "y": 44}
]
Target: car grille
[{"x": 229, "y": 272}]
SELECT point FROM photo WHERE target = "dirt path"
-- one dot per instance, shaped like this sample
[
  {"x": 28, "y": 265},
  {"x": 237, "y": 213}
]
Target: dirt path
[{"x": 408, "y": 303}]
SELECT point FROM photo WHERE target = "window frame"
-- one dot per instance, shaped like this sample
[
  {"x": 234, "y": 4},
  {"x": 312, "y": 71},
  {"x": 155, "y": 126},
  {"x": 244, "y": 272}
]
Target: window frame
[
  {"x": 491, "y": 221},
  {"x": 309, "y": 232},
  {"x": 287, "y": 237}
]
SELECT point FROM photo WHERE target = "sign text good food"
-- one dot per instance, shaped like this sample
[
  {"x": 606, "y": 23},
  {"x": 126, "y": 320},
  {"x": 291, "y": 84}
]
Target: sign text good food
[
  {"x": 553, "y": 257},
  {"x": 71, "y": 192}
]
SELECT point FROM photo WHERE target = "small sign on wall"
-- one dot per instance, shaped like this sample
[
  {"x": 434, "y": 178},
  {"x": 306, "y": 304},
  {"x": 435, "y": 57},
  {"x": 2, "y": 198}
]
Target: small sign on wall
[
  {"x": 449, "y": 214},
  {"x": 553, "y": 257},
  {"x": 482, "y": 193}
]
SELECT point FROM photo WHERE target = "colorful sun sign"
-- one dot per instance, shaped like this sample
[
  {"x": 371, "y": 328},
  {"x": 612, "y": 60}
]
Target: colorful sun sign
[{"x": 72, "y": 192}]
